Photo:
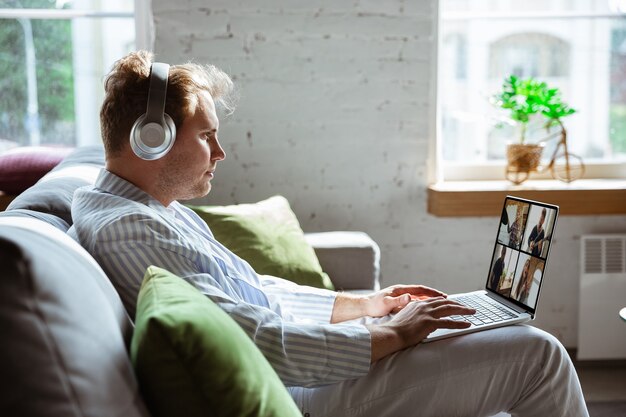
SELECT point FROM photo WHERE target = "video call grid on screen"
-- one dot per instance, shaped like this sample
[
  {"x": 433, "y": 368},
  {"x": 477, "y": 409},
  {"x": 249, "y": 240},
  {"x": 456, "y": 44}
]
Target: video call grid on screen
[{"x": 522, "y": 245}]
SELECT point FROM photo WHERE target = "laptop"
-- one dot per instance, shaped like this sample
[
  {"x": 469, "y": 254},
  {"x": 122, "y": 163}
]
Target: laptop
[{"x": 516, "y": 271}]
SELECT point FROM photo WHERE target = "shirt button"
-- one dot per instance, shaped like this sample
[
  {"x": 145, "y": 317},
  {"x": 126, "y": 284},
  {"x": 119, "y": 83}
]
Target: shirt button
[{"x": 307, "y": 415}]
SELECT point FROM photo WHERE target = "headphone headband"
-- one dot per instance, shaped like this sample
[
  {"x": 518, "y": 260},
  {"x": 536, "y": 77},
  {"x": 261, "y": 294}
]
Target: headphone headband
[{"x": 159, "y": 73}]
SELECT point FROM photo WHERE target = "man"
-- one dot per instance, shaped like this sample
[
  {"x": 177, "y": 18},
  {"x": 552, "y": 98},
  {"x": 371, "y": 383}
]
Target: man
[
  {"x": 537, "y": 235},
  {"x": 328, "y": 349},
  {"x": 496, "y": 271}
]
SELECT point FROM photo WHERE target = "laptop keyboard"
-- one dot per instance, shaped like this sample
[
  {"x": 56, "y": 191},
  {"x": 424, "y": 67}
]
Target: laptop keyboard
[{"x": 487, "y": 311}]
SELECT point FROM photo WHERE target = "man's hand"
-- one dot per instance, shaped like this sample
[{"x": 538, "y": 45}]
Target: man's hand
[
  {"x": 380, "y": 303},
  {"x": 413, "y": 323},
  {"x": 393, "y": 299}
]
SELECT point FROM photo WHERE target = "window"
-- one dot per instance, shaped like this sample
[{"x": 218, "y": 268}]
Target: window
[
  {"x": 54, "y": 57},
  {"x": 578, "y": 46},
  {"x": 529, "y": 54}
]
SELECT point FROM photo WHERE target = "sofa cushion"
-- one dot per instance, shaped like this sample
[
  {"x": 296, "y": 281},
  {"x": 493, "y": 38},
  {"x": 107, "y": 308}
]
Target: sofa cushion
[
  {"x": 351, "y": 259},
  {"x": 54, "y": 192},
  {"x": 63, "y": 349},
  {"x": 22, "y": 167},
  {"x": 192, "y": 359},
  {"x": 51, "y": 219},
  {"x": 268, "y": 236}
]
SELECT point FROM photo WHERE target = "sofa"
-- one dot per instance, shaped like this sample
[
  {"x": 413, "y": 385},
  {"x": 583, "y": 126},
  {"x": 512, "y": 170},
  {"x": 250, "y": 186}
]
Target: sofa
[{"x": 65, "y": 336}]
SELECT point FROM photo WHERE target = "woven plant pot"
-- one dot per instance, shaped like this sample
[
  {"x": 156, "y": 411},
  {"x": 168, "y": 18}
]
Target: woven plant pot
[{"x": 524, "y": 157}]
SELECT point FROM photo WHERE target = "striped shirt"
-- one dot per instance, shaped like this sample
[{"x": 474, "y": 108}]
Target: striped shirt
[{"x": 126, "y": 230}]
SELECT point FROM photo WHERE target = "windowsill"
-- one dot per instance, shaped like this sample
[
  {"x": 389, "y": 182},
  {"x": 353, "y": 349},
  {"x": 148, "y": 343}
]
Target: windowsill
[{"x": 484, "y": 198}]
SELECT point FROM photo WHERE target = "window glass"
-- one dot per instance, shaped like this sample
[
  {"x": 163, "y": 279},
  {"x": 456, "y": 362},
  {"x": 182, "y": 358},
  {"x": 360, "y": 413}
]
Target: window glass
[
  {"x": 93, "y": 5},
  {"x": 52, "y": 68},
  {"x": 578, "y": 46},
  {"x": 32, "y": 4},
  {"x": 36, "y": 74}
]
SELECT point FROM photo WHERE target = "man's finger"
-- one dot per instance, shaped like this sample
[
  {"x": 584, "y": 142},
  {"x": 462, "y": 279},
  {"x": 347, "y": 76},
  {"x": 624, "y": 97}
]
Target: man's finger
[
  {"x": 400, "y": 301},
  {"x": 420, "y": 291},
  {"x": 419, "y": 297},
  {"x": 417, "y": 290},
  {"x": 431, "y": 292},
  {"x": 451, "y": 309},
  {"x": 438, "y": 301},
  {"x": 451, "y": 324}
]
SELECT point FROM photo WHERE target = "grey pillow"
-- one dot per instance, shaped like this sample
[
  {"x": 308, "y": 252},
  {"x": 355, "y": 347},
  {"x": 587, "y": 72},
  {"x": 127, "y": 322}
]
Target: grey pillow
[
  {"x": 63, "y": 330},
  {"x": 54, "y": 192}
]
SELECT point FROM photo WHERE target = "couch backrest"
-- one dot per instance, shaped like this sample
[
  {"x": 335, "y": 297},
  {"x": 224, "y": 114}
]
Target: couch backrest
[
  {"x": 64, "y": 331},
  {"x": 50, "y": 199}
]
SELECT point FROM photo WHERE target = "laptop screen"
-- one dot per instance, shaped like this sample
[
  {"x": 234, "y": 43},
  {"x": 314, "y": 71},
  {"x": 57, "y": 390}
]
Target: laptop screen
[{"x": 519, "y": 259}]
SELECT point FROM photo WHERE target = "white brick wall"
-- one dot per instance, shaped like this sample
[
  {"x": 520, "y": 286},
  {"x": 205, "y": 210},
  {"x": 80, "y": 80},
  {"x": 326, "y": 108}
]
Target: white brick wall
[{"x": 336, "y": 113}]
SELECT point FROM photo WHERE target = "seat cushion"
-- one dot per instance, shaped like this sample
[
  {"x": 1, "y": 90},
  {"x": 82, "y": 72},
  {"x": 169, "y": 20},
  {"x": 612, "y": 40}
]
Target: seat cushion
[
  {"x": 192, "y": 359},
  {"x": 63, "y": 327},
  {"x": 268, "y": 236}
]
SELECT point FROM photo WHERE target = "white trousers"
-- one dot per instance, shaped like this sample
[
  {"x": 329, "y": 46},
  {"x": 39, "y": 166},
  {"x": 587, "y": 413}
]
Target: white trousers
[{"x": 517, "y": 369}]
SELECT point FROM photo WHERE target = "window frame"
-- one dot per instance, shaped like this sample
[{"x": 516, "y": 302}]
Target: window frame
[
  {"x": 442, "y": 170},
  {"x": 144, "y": 31},
  {"x": 143, "y": 39}
]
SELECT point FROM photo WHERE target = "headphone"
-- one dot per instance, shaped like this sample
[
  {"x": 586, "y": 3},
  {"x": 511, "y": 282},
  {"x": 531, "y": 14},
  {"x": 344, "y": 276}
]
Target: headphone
[{"x": 154, "y": 132}]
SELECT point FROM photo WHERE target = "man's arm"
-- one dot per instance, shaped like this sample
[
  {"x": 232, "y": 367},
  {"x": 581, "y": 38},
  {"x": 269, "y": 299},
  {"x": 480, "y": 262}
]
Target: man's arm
[
  {"x": 298, "y": 302},
  {"x": 414, "y": 319},
  {"x": 532, "y": 237},
  {"x": 301, "y": 353},
  {"x": 540, "y": 246}
]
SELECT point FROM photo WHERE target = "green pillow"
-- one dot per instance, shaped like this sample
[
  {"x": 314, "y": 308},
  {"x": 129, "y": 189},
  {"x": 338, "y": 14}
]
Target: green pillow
[
  {"x": 192, "y": 359},
  {"x": 268, "y": 236}
]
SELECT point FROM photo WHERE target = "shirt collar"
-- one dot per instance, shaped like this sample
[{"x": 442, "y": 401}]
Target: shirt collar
[{"x": 111, "y": 183}]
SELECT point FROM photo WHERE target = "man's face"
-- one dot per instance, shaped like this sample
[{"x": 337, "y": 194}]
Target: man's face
[
  {"x": 188, "y": 168},
  {"x": 542, "y": 218},
  {"x": 503, "y": 252}
]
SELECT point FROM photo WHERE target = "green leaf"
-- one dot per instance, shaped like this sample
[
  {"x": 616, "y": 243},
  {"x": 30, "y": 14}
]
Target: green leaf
[{"x": 523, "y": 98}]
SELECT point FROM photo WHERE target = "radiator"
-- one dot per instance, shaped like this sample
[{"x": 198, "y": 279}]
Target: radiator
[{"x": 601, "y": 332}]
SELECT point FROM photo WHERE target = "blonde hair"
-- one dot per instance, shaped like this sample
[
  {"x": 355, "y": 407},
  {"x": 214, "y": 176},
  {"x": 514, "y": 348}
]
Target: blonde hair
[{"x": 126, "y": 95}]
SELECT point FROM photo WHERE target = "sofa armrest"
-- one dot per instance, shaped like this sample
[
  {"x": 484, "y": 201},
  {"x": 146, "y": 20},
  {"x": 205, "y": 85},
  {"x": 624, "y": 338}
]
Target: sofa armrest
[{"x": 351, "y": 259}]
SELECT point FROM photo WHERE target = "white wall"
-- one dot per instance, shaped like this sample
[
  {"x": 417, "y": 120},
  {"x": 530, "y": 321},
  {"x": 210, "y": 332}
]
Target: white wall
[{"x": 336, "y": 113}]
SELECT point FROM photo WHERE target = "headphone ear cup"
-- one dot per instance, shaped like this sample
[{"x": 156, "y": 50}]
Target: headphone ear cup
[
  {"x": 152, "y": 141},
  {"x": 170, "y": 130},
  {"x": 136, "y": 130}
]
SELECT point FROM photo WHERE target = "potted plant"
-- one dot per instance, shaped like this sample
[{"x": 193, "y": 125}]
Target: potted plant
[{"x": 523, "y": 99}]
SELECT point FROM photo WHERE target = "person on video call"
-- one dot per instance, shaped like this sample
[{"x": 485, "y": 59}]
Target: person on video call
[
  {"x": 512, "y": 228},
  {"x": 496, "y": 271},
  {"x": 525, "y": 282},
  {"x": 537, "y": 236},
  {"x": 355, "y": 355}
]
